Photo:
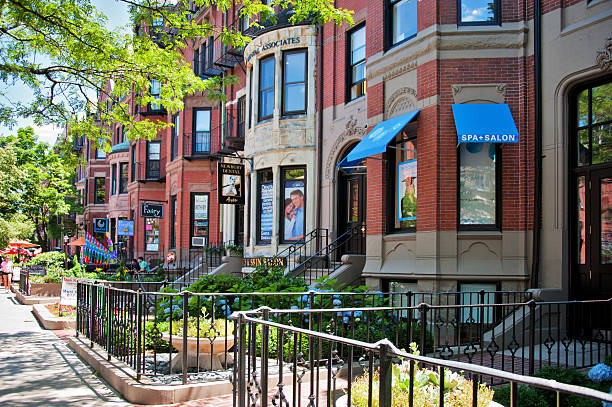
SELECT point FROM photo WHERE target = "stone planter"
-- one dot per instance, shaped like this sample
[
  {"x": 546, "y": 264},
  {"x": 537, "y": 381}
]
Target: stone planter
[
  {"x": 45, "y": 289},
  {"x": 50, "y": 321},
  {"x": 343, "y": 402},
  {"x": 201, "y": 357}
]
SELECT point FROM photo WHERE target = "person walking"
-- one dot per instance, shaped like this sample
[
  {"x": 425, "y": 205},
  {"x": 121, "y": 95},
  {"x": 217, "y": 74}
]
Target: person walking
[{"x": 7, "y": 269}]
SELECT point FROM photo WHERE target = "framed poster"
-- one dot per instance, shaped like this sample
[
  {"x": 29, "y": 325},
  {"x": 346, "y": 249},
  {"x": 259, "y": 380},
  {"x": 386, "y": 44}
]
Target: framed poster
[
  {"x": 293, "y": 209},
  {"x": 230, "y": 183},
  {"x": 200, "y": 207},
  {"x": 406, "y": 190},
  {"x": 266, "y": 208}
]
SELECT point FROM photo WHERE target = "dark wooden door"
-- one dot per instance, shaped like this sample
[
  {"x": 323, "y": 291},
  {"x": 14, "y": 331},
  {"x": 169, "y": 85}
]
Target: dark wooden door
[{"x": 352, "y": 210}]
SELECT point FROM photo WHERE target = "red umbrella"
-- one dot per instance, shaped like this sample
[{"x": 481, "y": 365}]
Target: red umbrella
[
  {"x": 21, "y": 243},
  {"x": 79, "y": 242}
]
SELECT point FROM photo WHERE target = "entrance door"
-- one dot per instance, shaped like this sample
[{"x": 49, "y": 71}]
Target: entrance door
[
  {"x": 351, "y": 210},
  {"x": 593, "y": 265}
]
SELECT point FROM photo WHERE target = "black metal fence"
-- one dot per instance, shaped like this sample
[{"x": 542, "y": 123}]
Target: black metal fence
[
  {"x": 24, "y": 281},
  {"x": 285, "y": 365}
]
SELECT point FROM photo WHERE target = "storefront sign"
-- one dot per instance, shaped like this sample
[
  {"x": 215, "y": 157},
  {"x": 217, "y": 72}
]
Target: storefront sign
[
  {"x": 266, "y": 218},
  {"x": 100, "y": 225},
  {"x": 264, "y": 261},
  {"x": 230, "y": 181},
  {"x": 273, "y": 44},
  {"x": 200, "y": 207},
  {"x": 406, "y": 190},
  {"x": 125, "y": 227},
  {"x": 151, "y": 210}
]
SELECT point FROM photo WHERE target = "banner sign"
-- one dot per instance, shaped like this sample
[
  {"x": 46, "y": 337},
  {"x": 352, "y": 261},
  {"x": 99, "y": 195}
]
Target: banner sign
[
  {"x": 125, "y": 227},
  {"x": 264, "y": 261},
  {"x": 151, "y": 210},
  {"x": 68, "y": 295},
  {"x": 100, "y": 225},
  {"x": 266, "y": 217},
  {"x": 230, "y": 183}
]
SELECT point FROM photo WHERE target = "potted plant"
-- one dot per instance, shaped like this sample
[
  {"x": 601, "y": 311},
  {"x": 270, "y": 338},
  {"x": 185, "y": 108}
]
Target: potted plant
[{"x": 234, "y": 250}]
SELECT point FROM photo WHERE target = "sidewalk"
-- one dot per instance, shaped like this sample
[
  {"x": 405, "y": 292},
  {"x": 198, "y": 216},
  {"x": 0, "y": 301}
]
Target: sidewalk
[{"x": 38, "y": 369}]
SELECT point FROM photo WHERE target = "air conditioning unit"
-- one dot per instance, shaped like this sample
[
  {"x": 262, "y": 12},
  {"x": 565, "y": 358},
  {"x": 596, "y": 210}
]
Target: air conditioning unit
[{"x": 198, "y": 241}]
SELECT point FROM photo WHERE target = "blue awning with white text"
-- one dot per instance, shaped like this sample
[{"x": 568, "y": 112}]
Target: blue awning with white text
[
  {"x": 376, "y": 141},
  {"x": 485, "y": 123}
]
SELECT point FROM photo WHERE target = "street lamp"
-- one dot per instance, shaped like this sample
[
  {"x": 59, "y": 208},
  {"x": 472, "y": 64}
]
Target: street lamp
[{"x": 66, "y": 239}]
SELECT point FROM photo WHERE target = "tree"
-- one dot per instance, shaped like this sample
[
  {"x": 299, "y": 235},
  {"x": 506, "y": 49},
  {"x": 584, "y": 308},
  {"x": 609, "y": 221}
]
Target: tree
[
  {"x": 63, "y": 52},
  {"x": 38, "y": 189},
  {"x": 15, "y": 227}
]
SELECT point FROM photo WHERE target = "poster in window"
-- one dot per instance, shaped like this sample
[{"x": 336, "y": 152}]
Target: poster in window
[
  {"x": 230, "y": 183},
  {"x": 200, "y": 207},
  {"x": 407, "y": 190},
  {"x": 266, "y": 195},
  {"x": 293, "y": 210}
]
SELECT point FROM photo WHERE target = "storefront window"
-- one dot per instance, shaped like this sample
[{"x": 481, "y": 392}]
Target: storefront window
[
  {"x": 403, "y": 181},
  {"x": 151, "y": 234},
  {"x": 478, "y": 12},
  {"x": 294, "y": 82},
  {"x": 201, "y": 131},
  {"x": 123, "y": 177},
  {"x": 266, "y": 88},
  {"x": 402, "y": 16},
  {"x": 99, "y": 191},
  {"x": 199, "y": 216},
  {"x": 477, "y": 184},
  {"x": 356, "y": 69},
  {"x": 293, "y": 204},
  {"x": 265, "y": 206}
]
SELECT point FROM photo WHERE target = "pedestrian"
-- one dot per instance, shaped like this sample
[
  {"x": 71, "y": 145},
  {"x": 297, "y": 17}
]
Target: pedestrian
[
  {"x": 144, "y": 266},
  {"x": 7, "y": 268}
]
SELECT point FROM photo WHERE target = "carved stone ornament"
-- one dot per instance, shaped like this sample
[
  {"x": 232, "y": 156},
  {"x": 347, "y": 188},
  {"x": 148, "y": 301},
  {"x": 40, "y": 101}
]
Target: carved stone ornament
[
  {"x": 351, "y": 132},
  {"x": 604, "y": 56},
  {"x": 402, "y": 100}
]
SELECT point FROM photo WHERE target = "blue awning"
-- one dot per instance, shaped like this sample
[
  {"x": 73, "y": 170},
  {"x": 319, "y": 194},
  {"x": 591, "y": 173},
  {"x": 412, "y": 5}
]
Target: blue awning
[
  {"x": 375, "y": 142},
  {"x": 485, "y": 123}
]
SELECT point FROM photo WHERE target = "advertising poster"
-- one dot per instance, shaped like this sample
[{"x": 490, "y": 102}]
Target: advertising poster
[
  {"x": 293, "y": 210},
  {"x": 230, "y": 183},
  {"x": 125, "y": 227},
  {"x": 407, "y": 190},
  {"x": 68, "y": 296},
  {"x": 200, "y": 207},
  {"x": 266, "y": 195}
]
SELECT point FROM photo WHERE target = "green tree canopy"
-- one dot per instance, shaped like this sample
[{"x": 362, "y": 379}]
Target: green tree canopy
[{"x": 62, "y": 50}]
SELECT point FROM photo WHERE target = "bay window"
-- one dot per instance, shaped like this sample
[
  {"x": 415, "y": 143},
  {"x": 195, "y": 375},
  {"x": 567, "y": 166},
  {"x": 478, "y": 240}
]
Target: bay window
[
  {"x": 266, "y": 88},
  {"x": 294, "y": 82}
]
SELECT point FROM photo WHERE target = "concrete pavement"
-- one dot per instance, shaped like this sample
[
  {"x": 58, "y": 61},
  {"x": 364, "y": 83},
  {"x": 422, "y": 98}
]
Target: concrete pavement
[{"x": 38, "y": 369}]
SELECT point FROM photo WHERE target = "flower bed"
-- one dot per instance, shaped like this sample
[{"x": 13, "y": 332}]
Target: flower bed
[{"x": 60, "y": 311}]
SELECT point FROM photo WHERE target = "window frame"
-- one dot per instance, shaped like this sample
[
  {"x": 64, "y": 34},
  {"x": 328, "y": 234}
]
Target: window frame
[
  {"x": 192, "y": 216},
  {"x": 123, "y": 180},
  {"x": 100, "y": 154},
  {"x": 304, "y": 52},
  {"x": 281, "y": 203},
  {"x": 261, "y": 90},
  {"x": 113, "y": 190},
  {"x": 391, "y": 195},
  {"x": 133, "y": 163},
  {"x": 195, "y": 125},
  {"x": 388, "y": 37},
  {"x": 172, "y": 225},
  {"x": 496, "y": 20},
  {"x": 148, "y": 161},
  {"x": 497, "y": 226},
  {"x": 241, "y": 117},
  {"x": 196, "y": 62},
  {"x": 174, "y": 137},
  {"x": 97, "y": 188},
  {"x": 153, "y": 220},
  {"x": 250, "y": 110},
  {"x": 349, "y": 65},
  {"x": 259, "y": 176}
]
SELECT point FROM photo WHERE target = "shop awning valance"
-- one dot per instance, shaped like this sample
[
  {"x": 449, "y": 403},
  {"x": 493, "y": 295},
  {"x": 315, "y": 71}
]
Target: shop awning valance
[
  {"x": 376, "y": 141},
  {"x": 485, "y": 123}
]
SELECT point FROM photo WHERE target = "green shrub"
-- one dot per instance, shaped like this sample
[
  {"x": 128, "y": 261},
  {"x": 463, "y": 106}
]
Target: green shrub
[{"x": 528, "y": 397}]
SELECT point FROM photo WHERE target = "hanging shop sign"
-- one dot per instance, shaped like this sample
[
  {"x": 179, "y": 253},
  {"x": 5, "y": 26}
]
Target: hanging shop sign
[
  {"x": 151, "y": 210},
  {"x": 230, "y": 182},
  {"x": 100, "y": 225},
  {"x": 125, "y": 227},
  {"x": 273, "y": 44},
  {"x": 264, "y": 261},
  {"x": 407, "y": 190}
]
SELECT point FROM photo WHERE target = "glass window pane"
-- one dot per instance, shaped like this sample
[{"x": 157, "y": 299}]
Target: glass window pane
[
  {"x": 602, "y": 103},
  {"x": 477, "y": 11},
  {"x": 358, "y": 43},
  {"x": 295, "y": 97},
  {"x": 154, "y": 151},
  {"x": 584, "y": 154},
  {"x": 267, "y": 73},
  {"x": 155, "y": 87},
  {"x": 581, "y": 226},
  {"x": 266, "y": 107},
  {"x": 477, "y": 184},
  {"x": 583, "y": 108},
  {"x": 295, "y": 67},
  {"x": 358, "y": 90},
  {"x": 404, "y": 20},
  {"x": 606, "y": 220},
  {"x": 602, "y": 144},
  {"x": 202, "y": 120},
  {"x": 358, "y": 72}
]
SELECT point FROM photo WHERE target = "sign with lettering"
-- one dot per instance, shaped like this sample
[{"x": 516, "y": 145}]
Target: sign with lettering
[
  {"x": 38, "y": 270},
  {"x": 230, "y": 183},
  {"x": 100, "y": 225},
  {"x": 264, "y": 261},
  {"x": 273, "y": 44},
  {"x": 68, "y": 295},
  {"x": 151, "y": 210},
  {"x": 125, "y": 227},
  {"x": 266, "y": 207}
]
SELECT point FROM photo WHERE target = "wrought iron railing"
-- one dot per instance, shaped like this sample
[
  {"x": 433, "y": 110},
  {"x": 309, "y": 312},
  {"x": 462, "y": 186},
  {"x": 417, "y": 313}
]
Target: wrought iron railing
[{"x": 24, "y": 281}]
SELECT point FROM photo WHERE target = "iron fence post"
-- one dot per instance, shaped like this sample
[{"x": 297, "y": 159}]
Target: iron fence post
[
  {"x": 264, "y": 359},
  {"x": 386, "y": 373},
  {"x": 78, "y": 309},
  {"x": 185, "y": 322},
  {"x": 241, "y": 361},
  {"x": 92, "y": 316},
  {"x": 423, "y": 310},
  {"x": 139, "y": 334},
  {"x": 108, "y": 323},
  {"x": 532, "y": 316}
]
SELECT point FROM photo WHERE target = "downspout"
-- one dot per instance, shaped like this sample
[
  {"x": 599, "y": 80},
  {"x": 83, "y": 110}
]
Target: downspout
[
  {"x": 537, "y": 205},
  {"x": 320, "y": 131}
]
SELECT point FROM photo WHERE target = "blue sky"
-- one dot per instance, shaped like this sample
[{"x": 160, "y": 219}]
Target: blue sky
[{"x": 117, "y": 15}]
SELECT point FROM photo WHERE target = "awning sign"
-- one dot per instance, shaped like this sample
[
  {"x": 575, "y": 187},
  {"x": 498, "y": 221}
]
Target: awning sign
[{"x": 485, "y": 123}]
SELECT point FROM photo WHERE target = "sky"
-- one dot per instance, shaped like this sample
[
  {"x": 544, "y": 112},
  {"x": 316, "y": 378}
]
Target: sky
[{"x": 117, "y": 15}]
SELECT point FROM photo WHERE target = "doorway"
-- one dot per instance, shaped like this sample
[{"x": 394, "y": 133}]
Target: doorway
[{"x": 352, "y": 209}]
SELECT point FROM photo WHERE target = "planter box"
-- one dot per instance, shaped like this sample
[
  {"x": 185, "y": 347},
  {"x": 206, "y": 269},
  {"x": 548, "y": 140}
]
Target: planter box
[
  {"x": 50, "y": 321},
  {"x": 201, "y": 357},
  {"x": 45, "y": 289}
]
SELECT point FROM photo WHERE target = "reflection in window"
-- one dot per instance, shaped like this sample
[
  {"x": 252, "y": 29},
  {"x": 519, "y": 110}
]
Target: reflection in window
[
  {"x": 403, "y": 20},
  {"x": 294, "y": 82},
  {"x": 580, "y": 208},
  {"x": 99, "y": 191},
  {"x": 477, "y": 184},
  {"x": 356, "y": 70},
  {"x": 594, "y": 125},
  {"x": 123, "y": 177},
  {"x": 266, "y": 88},
  {"x": 606, "y": 220},
  {"x": 478, "y": 12}
]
